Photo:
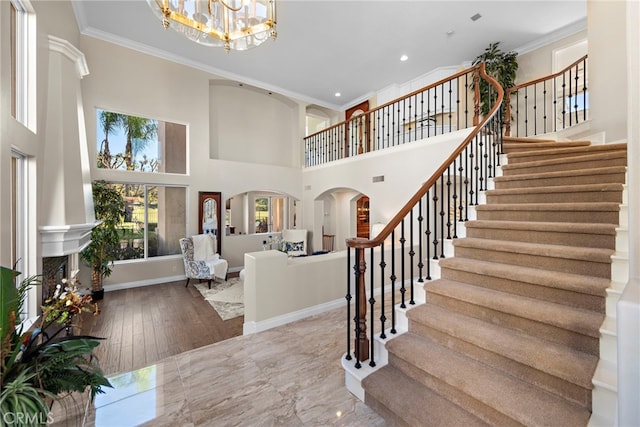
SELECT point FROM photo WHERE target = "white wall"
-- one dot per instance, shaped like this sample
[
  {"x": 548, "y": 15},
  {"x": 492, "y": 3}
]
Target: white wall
[
  {"x": 119, "y": 81},
  {"x": 253, "y": 126},
  {"x": 405, "y": 169},
  {"x": 606, "y": 24}
]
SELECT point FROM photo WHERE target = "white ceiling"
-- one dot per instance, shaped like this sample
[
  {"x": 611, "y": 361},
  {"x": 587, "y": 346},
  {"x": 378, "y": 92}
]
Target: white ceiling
[{"x": 351, "y": 47}]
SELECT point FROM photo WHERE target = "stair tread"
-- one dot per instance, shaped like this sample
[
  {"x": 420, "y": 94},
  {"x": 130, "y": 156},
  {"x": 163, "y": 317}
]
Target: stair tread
[
  {"x": 572, "y": 150},
  {"x": 562, "y": 316},
  {"x": 526, "y": 140},
  {"x": 576, "y": 159},
  {"x": 557, "y": 189},
  {"x": 555, "y": 279},
  {"x": 545, "y": 144},
  {"x": 523, "y": 402},
  {"x": 409, "y": 395},
  {"x": 559, "y": 227},
  {"x": 571, "y": 206},
  {"x": 558, "y": 360},
  {"x": 568, "y": 252},
  {"x": 562, "y": 173}
]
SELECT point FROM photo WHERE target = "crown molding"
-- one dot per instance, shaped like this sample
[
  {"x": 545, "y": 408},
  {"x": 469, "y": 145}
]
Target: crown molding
[{"x": 62, "y": 46}]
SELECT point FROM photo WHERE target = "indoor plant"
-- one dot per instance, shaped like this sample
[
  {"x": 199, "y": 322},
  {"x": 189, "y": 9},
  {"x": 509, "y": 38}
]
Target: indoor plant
[
  {"x": 500, "y": 65},
  {"x": 39, "y": 365},
  {"x": 99, "y": 255}
]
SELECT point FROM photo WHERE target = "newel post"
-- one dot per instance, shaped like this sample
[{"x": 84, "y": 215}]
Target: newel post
[{"x": 361, "y": 341}]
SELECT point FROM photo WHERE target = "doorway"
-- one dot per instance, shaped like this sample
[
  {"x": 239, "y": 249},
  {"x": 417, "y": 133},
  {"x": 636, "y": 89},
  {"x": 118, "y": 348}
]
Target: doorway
[{"x": 362, "y": 217}]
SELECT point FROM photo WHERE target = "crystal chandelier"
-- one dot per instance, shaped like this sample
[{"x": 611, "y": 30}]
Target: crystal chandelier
[{"x": 233, "y": 24}]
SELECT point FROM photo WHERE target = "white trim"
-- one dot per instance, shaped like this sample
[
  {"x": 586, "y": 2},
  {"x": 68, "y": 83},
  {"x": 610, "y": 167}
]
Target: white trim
[
  {"x": 62, "y": 46},
  {"x": 560, "y": 34},
  {"x": 146, "y": 282},
  {"x": 254, "y": 327}
]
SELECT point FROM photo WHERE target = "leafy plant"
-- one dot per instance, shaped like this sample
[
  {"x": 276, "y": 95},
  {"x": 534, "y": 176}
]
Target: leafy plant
[
  {"x": 500, "y": 65},
  {"x": 39, "y": 364},
  {"x": 110, "y": 209}
]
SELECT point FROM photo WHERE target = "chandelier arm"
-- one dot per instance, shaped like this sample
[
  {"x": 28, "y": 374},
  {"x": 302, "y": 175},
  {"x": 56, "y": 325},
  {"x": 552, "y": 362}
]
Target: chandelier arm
[{"x": 223, "y": 3}]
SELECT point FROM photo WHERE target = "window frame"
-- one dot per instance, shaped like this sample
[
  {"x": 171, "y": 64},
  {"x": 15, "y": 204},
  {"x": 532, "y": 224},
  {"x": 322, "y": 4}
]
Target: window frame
[{"x": 23, "y": 63}]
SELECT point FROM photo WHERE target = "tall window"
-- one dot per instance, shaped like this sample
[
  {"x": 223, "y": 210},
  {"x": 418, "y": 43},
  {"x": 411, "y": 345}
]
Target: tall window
[
  {"x": 23, "y": 63},
  {"x": 140, "y": 144},
  {"x": 18, "y": 215},
  {"x": 154, "y": 221}
]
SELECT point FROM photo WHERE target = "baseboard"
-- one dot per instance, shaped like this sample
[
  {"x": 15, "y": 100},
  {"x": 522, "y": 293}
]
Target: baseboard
[
  {"x": 253, "y": 327},
  {"x": 140, "y": 283}
]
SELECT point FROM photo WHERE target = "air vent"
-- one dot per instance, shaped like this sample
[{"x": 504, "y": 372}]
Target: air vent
[
  {"x": 379, "y": 178},
  {"x": 307, "y": 187},
  {"x": 476, "y": 17}
]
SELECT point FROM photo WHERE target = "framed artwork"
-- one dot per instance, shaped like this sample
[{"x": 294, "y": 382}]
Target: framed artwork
[{"x": 209, "y": 215}]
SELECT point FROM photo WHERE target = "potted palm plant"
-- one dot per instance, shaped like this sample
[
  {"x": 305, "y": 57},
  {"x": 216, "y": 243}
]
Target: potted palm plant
[
  {"x": 500, "y": 65},
  {"x": 99, "y": 255}
]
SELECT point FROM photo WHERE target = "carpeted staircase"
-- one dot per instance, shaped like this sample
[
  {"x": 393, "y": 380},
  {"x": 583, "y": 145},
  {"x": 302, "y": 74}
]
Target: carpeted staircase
[{"x": 509, "y": 334}]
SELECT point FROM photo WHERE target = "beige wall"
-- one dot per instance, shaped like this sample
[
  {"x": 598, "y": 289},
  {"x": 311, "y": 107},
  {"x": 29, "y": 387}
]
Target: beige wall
[{"x": 606, "y": 25}]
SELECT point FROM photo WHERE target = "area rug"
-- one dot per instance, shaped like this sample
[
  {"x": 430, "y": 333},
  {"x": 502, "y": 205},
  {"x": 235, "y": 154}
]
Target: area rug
[{"x": 226, "y": 298}]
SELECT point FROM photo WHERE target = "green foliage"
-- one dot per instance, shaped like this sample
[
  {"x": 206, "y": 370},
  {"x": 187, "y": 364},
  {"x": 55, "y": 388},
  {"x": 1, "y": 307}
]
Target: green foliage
[
  {"x": 9, "y": 299},
  {"x": 35, "y": 365},
  {"x": 500, "y": 65},
  {"x": 105, "y": 238},
  {"x": 23, "y": 401}
]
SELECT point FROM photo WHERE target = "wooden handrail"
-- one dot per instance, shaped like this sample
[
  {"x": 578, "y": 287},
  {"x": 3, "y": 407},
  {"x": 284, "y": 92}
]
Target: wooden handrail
[
  {"x": 515, "y": 88},
  {"x": 362, "y": 243},
  {"x": 415, "y": 92}
]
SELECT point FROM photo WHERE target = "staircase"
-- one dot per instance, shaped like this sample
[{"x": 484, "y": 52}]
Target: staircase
[{"x": 510, "y": 333}]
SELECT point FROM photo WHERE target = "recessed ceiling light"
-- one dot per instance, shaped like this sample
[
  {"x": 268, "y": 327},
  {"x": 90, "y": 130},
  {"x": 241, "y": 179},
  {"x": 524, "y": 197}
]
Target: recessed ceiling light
[
  {"x": 404, "y": 58},
  {"x": 476, "y": 17},
  {"x": 338, "y": 94}
]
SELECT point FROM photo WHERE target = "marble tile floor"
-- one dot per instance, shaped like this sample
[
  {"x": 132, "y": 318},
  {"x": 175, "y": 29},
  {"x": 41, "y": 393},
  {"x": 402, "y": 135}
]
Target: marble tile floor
[{"x": 287, "y": 376}]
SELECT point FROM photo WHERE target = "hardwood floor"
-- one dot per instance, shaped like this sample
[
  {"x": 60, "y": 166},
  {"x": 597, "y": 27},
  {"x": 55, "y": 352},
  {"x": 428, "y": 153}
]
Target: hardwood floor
[{"x": 146, "y": 324}]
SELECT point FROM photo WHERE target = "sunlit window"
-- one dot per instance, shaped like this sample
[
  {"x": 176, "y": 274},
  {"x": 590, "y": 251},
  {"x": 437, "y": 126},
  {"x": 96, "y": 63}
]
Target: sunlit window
[
  {"x": 154, "y": 221},
  {"x": 126, "y": 142},
  {"x": 23, "y": 63}
]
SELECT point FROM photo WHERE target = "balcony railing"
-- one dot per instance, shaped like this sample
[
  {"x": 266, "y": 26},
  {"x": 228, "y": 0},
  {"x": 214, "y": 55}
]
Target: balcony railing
[
  {"x": 548, "y": 104},
  {"x": 442, "y": 107},
  {"x": 419, "y": 229}
]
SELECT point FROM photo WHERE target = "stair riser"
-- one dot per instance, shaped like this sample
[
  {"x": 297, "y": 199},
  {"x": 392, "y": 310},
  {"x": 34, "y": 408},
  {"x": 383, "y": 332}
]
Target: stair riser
[
  {"x": 603, "y": 241},
  {"x": 554, "y": 155},
  {"x": 559, "y": 296},
  {"x": 563, "y": 389},
  {"x": 600, "y": 217},
  {"x": 575, "y": 340},
  {"x": 557, "y": 197},
  {"x": 390, "y": 417},
  {"x": 575, "y": 266},
  {"x": 453, "y": 394},
  {"x": 566, "y": 166},
  {"x": 598, "y": 178}
]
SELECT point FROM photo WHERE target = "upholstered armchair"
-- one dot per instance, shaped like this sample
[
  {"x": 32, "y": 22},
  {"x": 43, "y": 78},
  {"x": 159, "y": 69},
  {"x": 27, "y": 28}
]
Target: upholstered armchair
[{"x": 201, "y": 262}]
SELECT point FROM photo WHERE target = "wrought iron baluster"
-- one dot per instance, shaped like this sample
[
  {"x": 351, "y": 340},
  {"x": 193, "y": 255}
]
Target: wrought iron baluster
[
  {"x": 411, "y": 256},
  {"x": 393, "y": 281},
  {"x": 383, "y": 317},
  {"x": 402, "y": 250},
  {"x": 420, "y": 259},
  {"x": 372, "y": 305},
  {"x": 348, "y": 298}
]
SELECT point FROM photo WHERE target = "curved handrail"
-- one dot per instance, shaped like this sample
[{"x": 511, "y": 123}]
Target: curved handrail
[
  {"x": 362, "y": 243},
  {"x": 514, "y": 89}
]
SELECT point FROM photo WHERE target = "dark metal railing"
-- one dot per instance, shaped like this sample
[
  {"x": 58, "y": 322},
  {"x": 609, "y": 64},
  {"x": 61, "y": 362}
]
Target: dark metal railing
[
  {"x": 420, "y": 229},
  {"x": 548, "y": 104},
  {"x": 442, "y": 107}
]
